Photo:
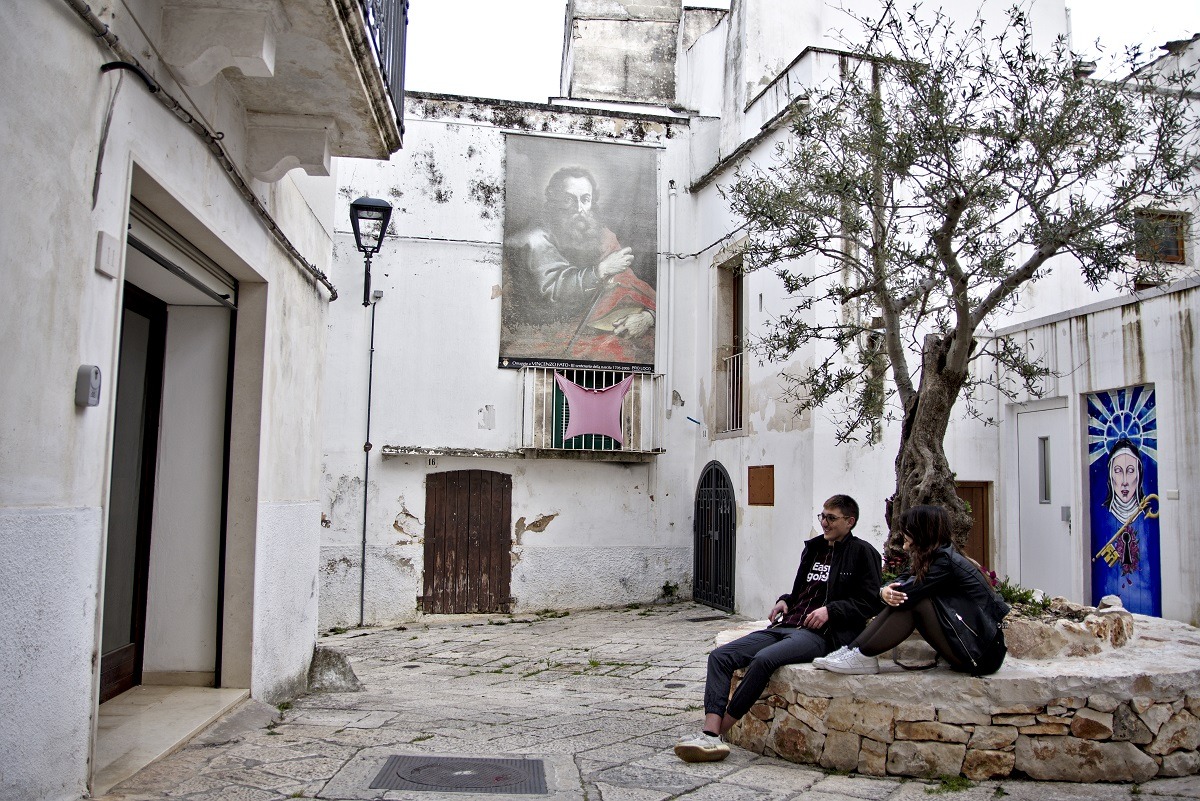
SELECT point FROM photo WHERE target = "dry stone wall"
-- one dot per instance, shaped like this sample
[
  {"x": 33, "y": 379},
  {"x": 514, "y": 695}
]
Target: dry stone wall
[{"x": 1118, "y": 716}]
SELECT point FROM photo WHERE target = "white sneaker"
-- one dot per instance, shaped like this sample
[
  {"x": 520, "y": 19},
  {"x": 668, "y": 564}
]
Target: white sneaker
[
  {"x": 819, "y": 662},
  {"x": 852, "y": 662},
  {"x": 701, "y": 748}
]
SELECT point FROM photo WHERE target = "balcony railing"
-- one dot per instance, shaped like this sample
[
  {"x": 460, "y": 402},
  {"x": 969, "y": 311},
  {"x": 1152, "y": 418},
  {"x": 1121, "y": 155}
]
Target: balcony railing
[
  {"x": 546, "y": 414},
  {"x": 729, "y": 413},
  {"x": 387, "y": 21}
]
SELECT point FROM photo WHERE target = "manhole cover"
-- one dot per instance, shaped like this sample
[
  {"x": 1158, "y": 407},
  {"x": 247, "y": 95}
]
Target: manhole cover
[
  {"x": 462, "y": 775},
  {"x": 707, "y": 619}
]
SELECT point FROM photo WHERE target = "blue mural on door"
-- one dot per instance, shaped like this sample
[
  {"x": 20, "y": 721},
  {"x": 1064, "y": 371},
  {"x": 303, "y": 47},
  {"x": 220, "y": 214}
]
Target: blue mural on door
[{"x": 1123, "y": 497}]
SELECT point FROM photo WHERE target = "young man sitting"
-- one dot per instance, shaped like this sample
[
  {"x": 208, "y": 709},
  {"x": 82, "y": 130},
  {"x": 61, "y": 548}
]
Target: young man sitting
[{"x": 835, "y": 592}]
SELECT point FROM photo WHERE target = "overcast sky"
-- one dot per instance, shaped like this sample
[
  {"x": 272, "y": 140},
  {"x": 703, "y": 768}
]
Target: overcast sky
[{"x": 511, "y": 50}]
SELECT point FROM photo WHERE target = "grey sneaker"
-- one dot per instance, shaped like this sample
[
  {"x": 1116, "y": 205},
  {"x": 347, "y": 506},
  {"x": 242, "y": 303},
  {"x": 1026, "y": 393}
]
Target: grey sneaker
[
  {"x": 701, "y": 748},
  {"x": 852, "y": 662},
  {"x": 819, "y": 662}
]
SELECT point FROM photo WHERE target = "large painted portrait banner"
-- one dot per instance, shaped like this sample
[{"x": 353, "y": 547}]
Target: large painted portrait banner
[
  {"x": 580, "y": 254},
  {"x": 1123, "y": 497}
]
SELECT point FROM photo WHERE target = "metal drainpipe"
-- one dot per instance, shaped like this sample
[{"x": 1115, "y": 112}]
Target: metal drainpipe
[
  {"x": 362, "y": 564},
  {"x": 670, "y": 315}
]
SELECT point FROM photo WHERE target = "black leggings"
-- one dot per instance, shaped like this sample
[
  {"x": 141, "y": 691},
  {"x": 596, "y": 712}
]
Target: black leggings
[{"x": 892, "y": 626}]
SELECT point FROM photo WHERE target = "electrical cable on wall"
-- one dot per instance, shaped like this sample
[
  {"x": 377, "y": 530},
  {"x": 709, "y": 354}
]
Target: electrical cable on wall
[{"x": 127, "y": 61}]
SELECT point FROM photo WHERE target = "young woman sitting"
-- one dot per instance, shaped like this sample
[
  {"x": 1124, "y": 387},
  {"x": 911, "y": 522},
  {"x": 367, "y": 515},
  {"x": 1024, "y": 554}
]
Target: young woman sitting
[{"x": 945, "y": 597}]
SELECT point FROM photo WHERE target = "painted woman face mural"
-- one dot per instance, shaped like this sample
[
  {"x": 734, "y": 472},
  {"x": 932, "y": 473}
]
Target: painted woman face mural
[
  {"x": 1125, "y": 492},
  {"x": 1122, "y": 433}
]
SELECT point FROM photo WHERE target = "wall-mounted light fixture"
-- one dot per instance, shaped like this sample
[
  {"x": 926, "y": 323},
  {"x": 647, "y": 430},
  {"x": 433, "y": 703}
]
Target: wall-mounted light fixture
[{"x": 369, "y": 218}]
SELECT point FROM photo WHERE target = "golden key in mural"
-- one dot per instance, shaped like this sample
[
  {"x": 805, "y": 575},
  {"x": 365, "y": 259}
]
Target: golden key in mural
[{"x": 1110, "y": 554}]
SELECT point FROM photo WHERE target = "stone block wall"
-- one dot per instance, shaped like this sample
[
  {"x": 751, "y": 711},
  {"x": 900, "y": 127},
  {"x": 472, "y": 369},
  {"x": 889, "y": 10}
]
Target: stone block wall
[{"x": 1069, "y": 720}]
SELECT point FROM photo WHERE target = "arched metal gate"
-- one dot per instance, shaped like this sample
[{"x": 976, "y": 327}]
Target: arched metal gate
[{"x": 714, "y": 527}]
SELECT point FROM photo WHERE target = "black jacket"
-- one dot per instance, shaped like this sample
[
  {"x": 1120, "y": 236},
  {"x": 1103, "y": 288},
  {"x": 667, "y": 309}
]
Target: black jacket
[
  {"x": 968, "y": 608},
  {"x": 852, "y": 592}
]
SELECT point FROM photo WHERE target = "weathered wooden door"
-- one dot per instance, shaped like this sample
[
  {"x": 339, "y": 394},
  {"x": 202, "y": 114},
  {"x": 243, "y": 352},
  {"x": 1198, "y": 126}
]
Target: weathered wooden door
[
  {"x": 468, "y": 563},
  {"x": 978, "y": 495},
  {"x": 714, "y": 526}
]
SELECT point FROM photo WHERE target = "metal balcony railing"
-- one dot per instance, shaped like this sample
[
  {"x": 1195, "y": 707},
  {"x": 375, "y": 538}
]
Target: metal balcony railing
[
  {"x": 387, "y": 21},
  {"x": 546, "y": 414},
  {"x": 729, "y": 415}
]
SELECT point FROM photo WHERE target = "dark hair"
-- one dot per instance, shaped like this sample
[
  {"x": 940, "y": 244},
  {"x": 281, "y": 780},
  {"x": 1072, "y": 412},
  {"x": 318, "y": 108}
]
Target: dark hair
[
  {"x": 846, "y": 505},
  {"x": 929, "y": 527},
  {"x": 1123, "y": 443},
  {"x": 555, "y": 185}
]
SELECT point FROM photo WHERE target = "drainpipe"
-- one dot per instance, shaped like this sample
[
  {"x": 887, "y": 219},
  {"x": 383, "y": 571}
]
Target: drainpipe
[
  {"x": 362, "y": 562},
  {"x": 670, "y": 293}
]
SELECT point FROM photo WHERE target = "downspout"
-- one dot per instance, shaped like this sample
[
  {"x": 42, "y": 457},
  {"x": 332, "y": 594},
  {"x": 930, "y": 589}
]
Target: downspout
[{"x": 670, "y": 315}]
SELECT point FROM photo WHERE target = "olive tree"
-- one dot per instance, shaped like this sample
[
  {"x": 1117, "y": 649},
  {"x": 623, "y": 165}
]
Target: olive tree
[{"x": 943, "y": 170}]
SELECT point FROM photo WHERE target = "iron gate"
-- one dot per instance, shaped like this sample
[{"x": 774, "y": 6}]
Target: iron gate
[{"x": 714, "y": 528}]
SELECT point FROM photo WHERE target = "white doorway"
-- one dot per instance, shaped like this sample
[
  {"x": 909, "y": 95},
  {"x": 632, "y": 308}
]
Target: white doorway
[{"x": 1049, "y": 546}]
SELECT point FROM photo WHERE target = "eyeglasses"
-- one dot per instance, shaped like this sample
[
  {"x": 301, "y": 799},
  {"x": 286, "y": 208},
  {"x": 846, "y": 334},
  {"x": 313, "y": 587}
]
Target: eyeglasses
[{"x": 824, "y": 518}]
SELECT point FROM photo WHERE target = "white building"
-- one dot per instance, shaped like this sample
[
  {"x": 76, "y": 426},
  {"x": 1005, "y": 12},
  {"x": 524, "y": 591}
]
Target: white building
[
  {"x": 165, "y": 336},
  {"x": 723, "y": 480}
]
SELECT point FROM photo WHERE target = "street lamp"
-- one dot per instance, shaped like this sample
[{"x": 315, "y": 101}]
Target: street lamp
[{"x": 369, "y": 218}]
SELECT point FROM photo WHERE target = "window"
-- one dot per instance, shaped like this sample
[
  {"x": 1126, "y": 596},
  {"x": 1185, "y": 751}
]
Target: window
[
  {"x": 730, "y": 342},
  {"x": 1159, "y": 235}
]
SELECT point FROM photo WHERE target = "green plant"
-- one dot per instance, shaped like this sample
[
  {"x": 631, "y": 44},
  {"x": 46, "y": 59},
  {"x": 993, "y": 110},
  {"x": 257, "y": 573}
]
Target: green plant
[
  {"x": 1016, "y": 595},
  {"x": 999, "y": 792},
  {"x": 951, "y": 784},
  {"x": 669, "y": 589},
  {"x": 420, "y": 738},
  {"x": 284, "y": 706},
  {"x": 338, "y": 630}
]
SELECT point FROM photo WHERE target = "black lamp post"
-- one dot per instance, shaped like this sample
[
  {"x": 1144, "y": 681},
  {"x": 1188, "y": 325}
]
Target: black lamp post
[{"x": 369, "y": 218}]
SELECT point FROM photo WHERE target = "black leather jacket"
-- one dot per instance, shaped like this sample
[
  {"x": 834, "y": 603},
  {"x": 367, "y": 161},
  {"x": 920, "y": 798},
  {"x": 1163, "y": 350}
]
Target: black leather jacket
[
  {"x": 852, "y": 592},
  {"x": 968, "y": 608}
]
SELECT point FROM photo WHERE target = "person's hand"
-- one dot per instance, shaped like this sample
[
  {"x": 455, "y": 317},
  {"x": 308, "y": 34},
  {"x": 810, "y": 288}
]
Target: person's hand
[
  {"x": 615, "y": 263},
  {"x": 634, "y": 325},
  {"x": 817, "y": 618},
  {"x": 892, "y": 596},
  {"x": 778, "y": 611}
]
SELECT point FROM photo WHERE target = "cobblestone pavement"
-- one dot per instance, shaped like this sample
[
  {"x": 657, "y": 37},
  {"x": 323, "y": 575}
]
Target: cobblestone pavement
[{"x": 601, "y": 696}]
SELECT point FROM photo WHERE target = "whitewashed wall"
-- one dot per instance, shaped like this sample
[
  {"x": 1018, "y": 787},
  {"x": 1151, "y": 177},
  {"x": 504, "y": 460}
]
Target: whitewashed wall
[
  {"x": 60, "y": 313},
  {"x": 610, "y": 538}
]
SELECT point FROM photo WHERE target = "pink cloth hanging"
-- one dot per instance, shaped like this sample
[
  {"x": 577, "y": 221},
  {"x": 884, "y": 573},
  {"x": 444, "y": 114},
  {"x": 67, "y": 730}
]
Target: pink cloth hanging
[{"x": 594, "y": 411}]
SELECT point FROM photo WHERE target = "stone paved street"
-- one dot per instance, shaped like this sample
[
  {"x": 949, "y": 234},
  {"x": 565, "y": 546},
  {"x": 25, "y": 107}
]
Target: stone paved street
[{"x": 600, "y": 696}]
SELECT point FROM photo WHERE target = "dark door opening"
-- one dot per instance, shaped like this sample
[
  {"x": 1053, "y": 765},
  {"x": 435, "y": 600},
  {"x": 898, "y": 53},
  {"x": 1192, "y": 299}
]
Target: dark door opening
[
  {"x": 468, "y": 561},
  {"x": 131, "y": 501},
  {"x": 714, "y": 528}
]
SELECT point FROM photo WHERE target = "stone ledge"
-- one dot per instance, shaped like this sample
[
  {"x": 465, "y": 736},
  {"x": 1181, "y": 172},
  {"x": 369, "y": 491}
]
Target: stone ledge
[{"x": 1124, "y": 715}]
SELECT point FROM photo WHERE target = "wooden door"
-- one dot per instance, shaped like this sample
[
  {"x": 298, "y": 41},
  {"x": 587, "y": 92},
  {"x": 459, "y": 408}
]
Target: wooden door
[
  {"x": 468, "y": 562},
  {"x": 978, "y": 495}
]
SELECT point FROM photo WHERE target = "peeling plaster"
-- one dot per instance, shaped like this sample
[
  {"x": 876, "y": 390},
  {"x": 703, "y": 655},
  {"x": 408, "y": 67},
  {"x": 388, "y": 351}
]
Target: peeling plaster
[
  {"x": 407, "y": 524},
  {"x": 496, "y": 291},
  {"x": 487, "y": 417},
  {"x": 538, "y": 525}
]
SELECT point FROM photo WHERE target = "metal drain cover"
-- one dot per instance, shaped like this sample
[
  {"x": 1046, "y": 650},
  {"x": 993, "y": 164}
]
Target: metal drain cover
[{"x": 462, "y": 775}]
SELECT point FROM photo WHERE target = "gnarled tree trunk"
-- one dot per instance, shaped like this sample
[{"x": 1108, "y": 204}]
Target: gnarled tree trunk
[{"x": 923, "y": 476}]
